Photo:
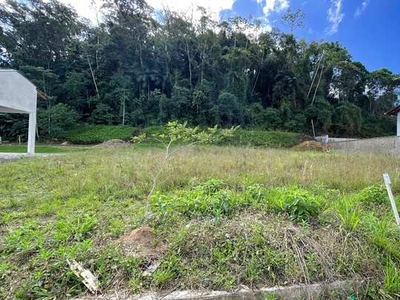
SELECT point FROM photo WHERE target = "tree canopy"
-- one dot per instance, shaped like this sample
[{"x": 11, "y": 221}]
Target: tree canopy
[{"x": 142, "y": 68}]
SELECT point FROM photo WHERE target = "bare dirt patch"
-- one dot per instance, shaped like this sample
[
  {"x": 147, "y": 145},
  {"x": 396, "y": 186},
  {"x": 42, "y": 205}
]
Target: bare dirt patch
[
  {"x": 141, "y": 243},
  {"x": 310, "y": 146}
]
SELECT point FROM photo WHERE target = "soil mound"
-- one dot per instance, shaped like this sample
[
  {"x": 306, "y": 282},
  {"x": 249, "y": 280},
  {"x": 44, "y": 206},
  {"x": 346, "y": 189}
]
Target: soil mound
[
  {"x": 141, "y": 243},
  {"x": 310, "y": 146},
  {"x": 115, "y": 143}
]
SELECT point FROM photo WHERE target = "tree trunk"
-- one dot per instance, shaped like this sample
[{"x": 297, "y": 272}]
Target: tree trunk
[
  {"x": 123, "y": 111},
  {"x": 148, "y": 90},
  {"x": 202, "y": 65},
  {"x": 189, "y": 64},
  {"x": 93, "y": 77}
]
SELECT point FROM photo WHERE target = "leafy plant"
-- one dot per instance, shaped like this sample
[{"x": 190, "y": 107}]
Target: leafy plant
[
  {"x": 391, "y": 283},
  {"x": 375, "y": 194},
  {"x": 348, "y": 213},
  {"x": 297, "y": 203},
  {"x": 185, "y": 137}
]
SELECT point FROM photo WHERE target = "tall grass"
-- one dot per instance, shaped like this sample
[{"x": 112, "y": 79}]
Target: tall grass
[{"x": 228, "y": 216}]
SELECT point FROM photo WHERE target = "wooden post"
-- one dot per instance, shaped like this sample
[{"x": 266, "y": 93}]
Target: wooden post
[{"x": 386, "y": 179}]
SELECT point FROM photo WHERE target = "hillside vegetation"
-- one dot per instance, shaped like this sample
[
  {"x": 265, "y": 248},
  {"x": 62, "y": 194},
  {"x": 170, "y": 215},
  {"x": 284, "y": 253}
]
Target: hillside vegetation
[
  {"x": 141, "y": 68},
  {"x": 220, "y": 217}
]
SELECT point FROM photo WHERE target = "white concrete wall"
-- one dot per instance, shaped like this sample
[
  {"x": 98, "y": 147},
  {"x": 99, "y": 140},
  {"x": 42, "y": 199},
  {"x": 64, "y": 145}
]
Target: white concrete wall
[
  {"x": 381, "y": 146},
  {"x": 17, "y": 94},
  {"x": 398, "y": 124}
]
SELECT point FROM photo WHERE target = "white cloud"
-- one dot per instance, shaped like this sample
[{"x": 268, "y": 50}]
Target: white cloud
[
  {"x": 188, "y": 7},
  {"x": 362, "y": 8},
  {"x": 275, "y": 6},
  {"x": 85, "y": 8},
  {"x": 335, "y": 16},
  {"x": 271, "y": 6}
]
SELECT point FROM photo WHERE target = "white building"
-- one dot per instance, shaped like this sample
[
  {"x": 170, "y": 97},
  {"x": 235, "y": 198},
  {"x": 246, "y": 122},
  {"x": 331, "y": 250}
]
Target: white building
[
  {"x": 395, "y": 112},
  {"x": 19, "y": 95}
]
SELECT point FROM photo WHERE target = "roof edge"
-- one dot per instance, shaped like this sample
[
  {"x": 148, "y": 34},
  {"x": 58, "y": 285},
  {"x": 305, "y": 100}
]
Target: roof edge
[
  {"x": 394, "y": 111},
  {"x": 16, "y": 71}
]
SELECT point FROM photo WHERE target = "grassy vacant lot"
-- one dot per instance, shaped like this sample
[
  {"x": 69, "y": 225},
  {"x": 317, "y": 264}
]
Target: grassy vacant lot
[
  {"x": 221, "y": 217},
  {"x": 39, "y": 149}
]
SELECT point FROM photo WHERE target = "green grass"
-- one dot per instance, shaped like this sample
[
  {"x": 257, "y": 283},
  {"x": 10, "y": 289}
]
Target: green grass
[
  {"x": 94, "y": 134},
  {"x": 38, "y": 149},
  {"x": 221, "y": 217}
]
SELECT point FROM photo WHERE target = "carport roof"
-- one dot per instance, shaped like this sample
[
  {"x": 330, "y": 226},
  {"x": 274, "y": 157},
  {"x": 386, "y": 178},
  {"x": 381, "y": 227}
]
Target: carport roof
[
  {"x": 394, "y": 111},
  {"x": 40, "y": 94}
]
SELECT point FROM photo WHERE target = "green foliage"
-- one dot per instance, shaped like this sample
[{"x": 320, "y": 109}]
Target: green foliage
[
  {"x": 260, "y": 138},
  {"x": 375, "y": 194},
  {"x": 228, "y": 111},
  {"x": 198, "y": 203},
  {"x": 212, "y": 199},
  {"x": 391, "y": 285},
  {"x": 92, "y": 134},
  {"x": 321, "y": 114},
  {"x": 273, "y": 118},
  {"x": 347, "y": 119},
  {"x": 205, "y": 74},
  {"x": 381, "y": 231},
  {"x": 101, "y": 115},
  {"x": 56, "y": 121},
  {"x": 348, "y": 213},
  {"x": 299, "y": 204},
  {"x": 74, "y": 228},
  {"x": 176, "y": 132}
]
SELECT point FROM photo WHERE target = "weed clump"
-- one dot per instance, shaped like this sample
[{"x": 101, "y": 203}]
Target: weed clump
[
  {"x": 375, "y": 194},
  {"x": 297, "y": 203}
]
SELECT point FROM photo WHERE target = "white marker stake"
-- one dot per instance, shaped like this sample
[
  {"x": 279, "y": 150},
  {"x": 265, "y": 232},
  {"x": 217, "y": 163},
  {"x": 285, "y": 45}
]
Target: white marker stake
[{"x": 386, "y": 179}]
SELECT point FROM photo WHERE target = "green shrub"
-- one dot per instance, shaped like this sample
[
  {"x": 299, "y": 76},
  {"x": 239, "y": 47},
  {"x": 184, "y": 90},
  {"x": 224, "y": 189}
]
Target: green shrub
[
  {"x": 102, "y": 114},
  {"x": 375, "y": 194},
  {"x": 55, "y": 122},
  {"x": 93, "y": 134},
  {"x": 299, "y": 204},
  {"x": 263, "y": 138},
  {"x": 212, "y": 198}
]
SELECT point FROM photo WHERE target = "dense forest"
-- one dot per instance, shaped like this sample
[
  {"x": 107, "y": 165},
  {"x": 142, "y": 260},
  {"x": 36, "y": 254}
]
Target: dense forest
[{"x": 140, "y": 67}]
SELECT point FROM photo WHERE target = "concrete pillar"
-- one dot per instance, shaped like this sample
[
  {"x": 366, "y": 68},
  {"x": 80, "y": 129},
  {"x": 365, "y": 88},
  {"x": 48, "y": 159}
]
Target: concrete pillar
[
  {"x": 32, "y": 133},
  {"x": 398, "y": 124}
]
